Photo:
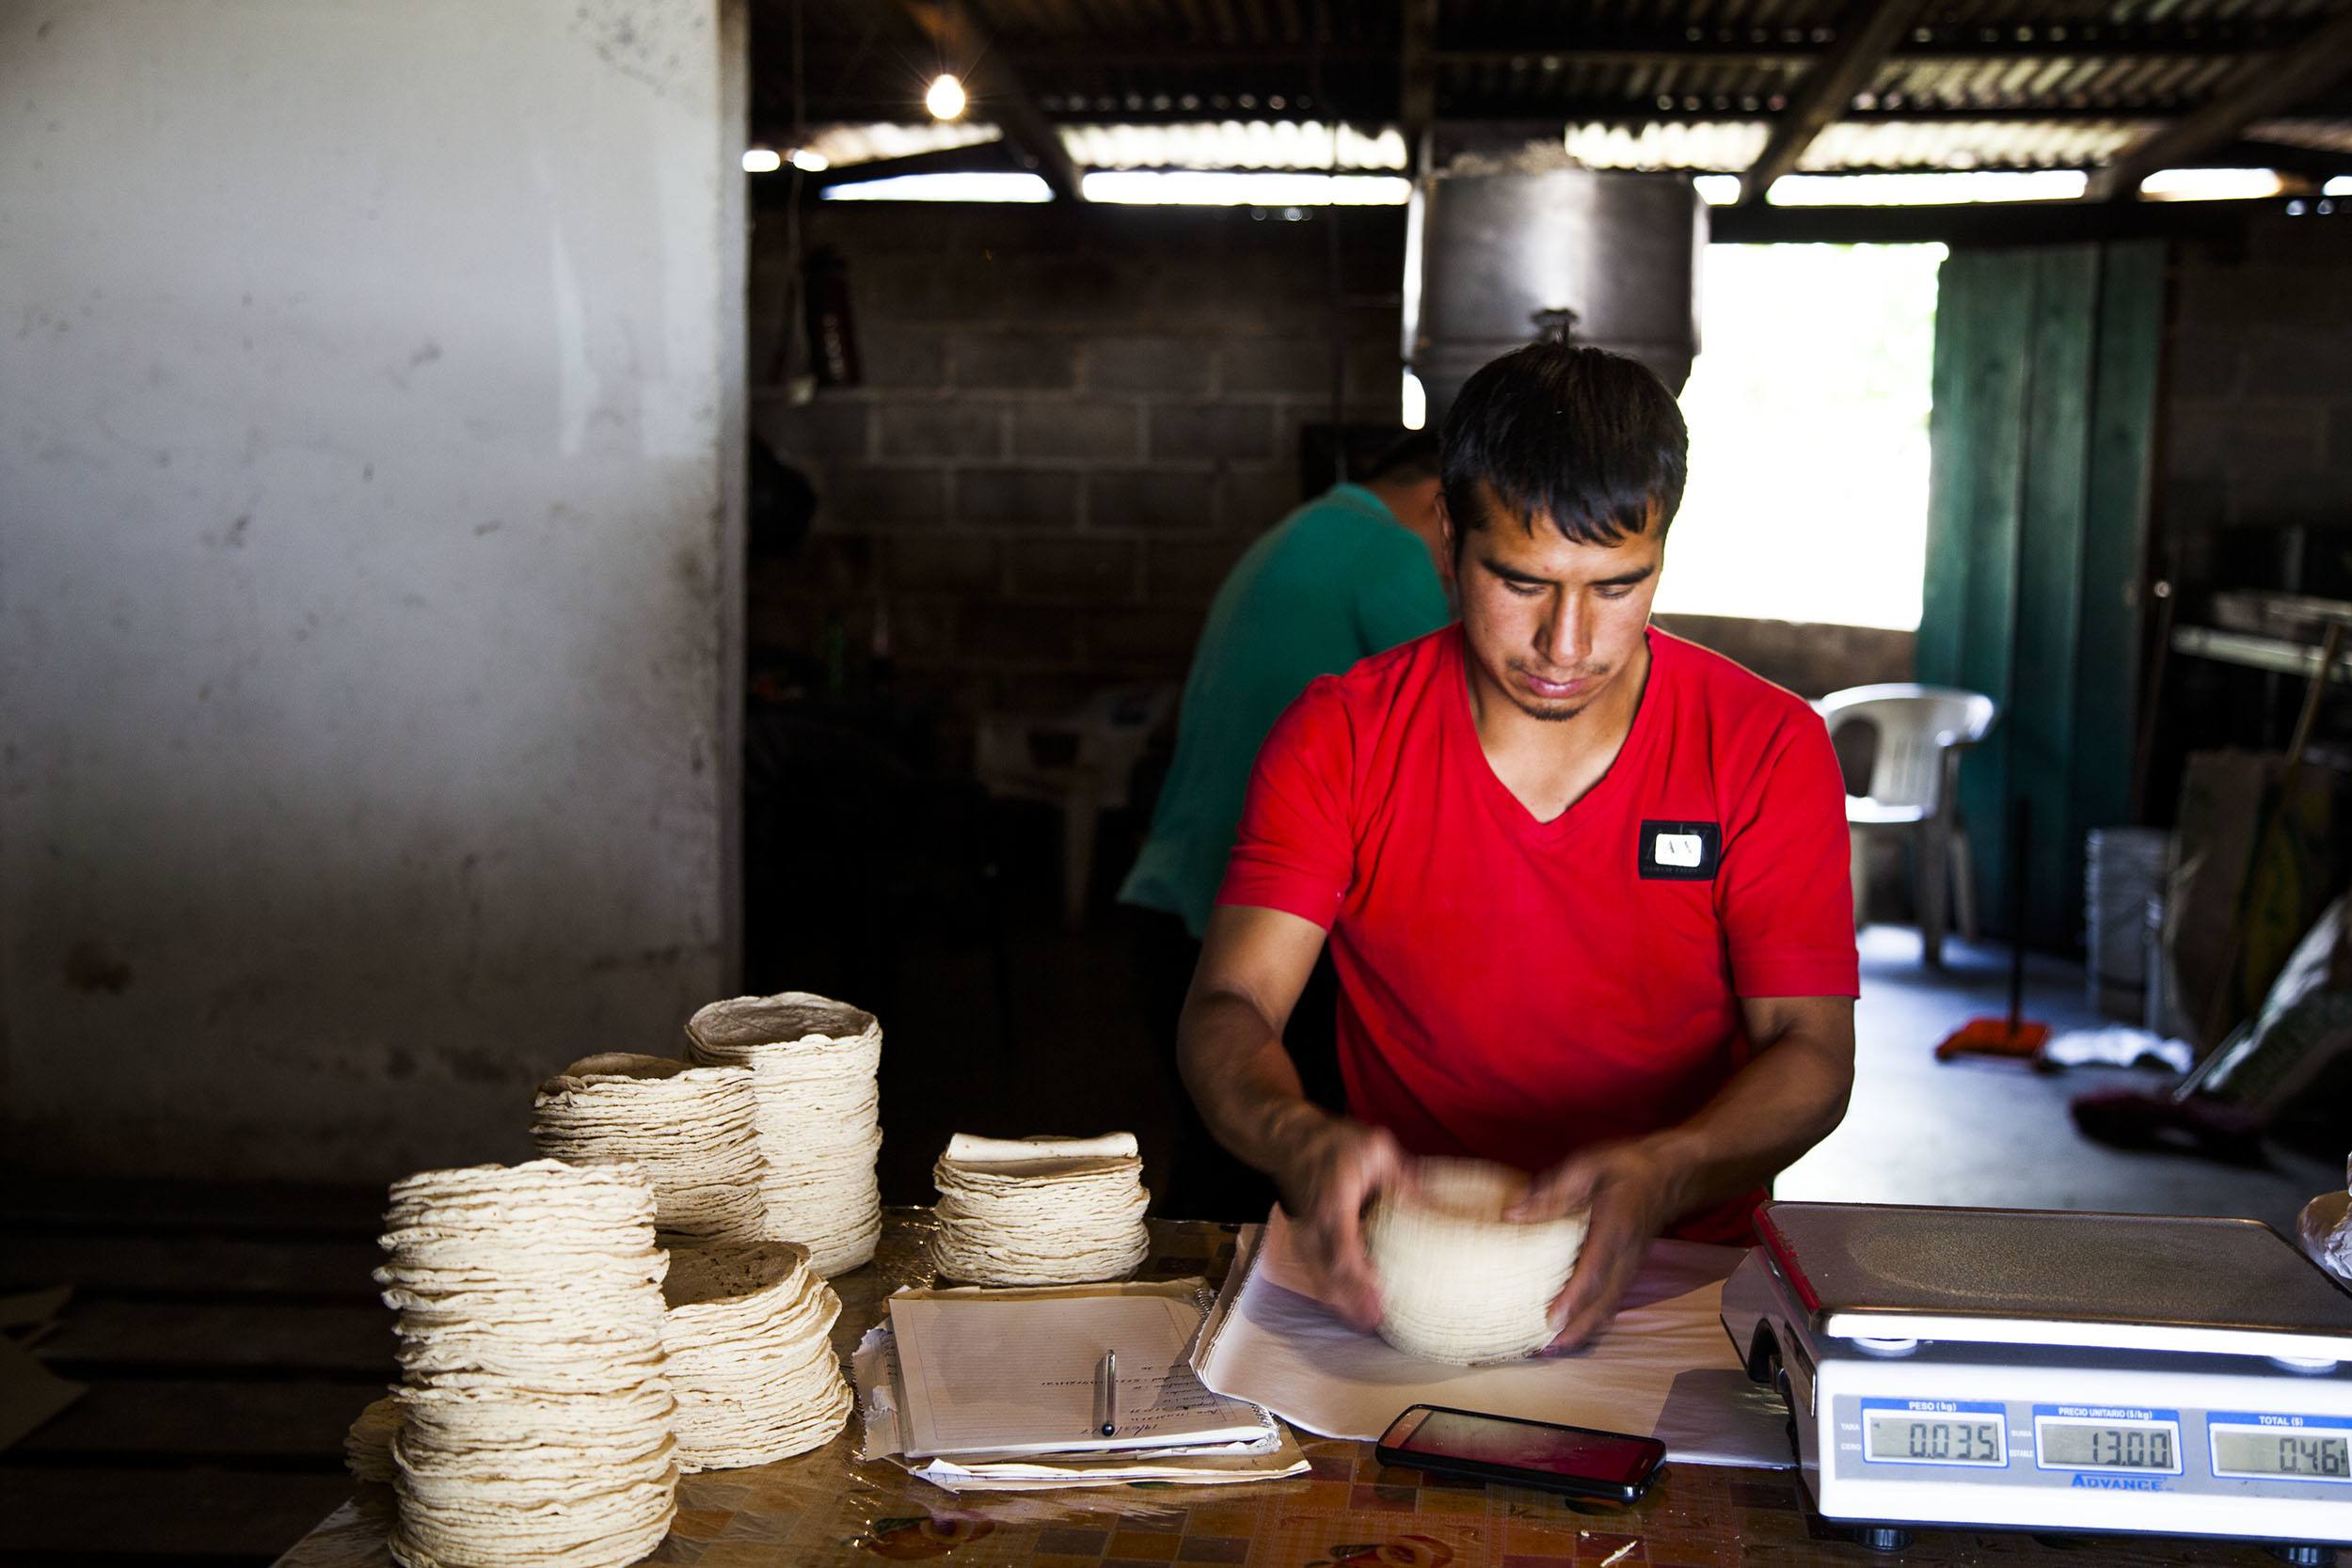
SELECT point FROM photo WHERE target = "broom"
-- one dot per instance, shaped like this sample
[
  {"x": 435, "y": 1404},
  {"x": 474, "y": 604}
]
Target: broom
[{"x": 2013, "y": 1035}]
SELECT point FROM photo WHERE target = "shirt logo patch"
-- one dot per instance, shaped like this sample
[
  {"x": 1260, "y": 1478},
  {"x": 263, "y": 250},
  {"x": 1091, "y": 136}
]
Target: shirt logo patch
[{"x": 1679, "y": 851}]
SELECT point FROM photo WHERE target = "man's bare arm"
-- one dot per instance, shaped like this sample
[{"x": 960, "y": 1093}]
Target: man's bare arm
[
  {"x": 1788, "y": 1098},
  {"x": 1228, "y": 1044}
]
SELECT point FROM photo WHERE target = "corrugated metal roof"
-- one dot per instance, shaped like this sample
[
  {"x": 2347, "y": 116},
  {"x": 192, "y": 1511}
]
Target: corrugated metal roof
[
  {"x": 1892, "y": 145},
  {"x": 1976, "y": 84}
]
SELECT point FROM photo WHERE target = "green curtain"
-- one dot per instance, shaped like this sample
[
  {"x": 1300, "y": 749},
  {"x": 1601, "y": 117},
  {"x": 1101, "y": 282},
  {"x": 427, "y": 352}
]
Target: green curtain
[{"x": 2042, "y": 431}]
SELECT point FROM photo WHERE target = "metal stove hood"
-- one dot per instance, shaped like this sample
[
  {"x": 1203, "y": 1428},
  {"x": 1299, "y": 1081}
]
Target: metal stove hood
[{"x": 1497, "y": 256}]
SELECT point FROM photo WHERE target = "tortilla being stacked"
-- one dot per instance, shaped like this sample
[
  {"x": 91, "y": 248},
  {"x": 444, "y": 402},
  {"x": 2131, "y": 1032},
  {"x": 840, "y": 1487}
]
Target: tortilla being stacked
[
  {"x": 749, "y": 1336},
  {"x": 1040, "y": 1210},
  {"x": 368, "y": 1445},
  {"x": 534, "y": 1411},
  {"x": 690, "y": 1129},
  {"x": 1458, "y": 1282},
  {"x": 813, "y": 1063}
]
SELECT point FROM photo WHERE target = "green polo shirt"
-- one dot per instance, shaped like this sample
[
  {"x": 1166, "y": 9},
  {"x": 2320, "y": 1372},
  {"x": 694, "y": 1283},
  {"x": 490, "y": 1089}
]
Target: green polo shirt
[{"x": 1337, "y": 580}]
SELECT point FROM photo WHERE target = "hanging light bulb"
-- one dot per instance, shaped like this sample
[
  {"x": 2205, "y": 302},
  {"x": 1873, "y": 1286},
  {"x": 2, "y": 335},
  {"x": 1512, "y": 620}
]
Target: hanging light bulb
[
  {"x": 945, "y": 98},
  {"x": 761, "y": 160}
]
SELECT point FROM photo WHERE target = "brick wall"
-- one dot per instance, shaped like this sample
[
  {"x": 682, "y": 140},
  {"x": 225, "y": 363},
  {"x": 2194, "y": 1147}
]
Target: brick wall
[
  {"x": 1071, "y": 423},
  {"x": 2257, "y": 419},
  {"x": 2254, "y": 465}
]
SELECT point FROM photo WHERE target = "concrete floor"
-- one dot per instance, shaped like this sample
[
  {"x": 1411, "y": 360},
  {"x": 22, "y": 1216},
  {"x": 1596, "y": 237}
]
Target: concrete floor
[{"x": 1993, "y": 1134}]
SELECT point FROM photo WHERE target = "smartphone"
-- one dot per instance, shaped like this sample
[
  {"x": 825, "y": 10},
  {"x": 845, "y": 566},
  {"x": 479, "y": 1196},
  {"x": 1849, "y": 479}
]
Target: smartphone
[{"x": 1578, "y": 1460}]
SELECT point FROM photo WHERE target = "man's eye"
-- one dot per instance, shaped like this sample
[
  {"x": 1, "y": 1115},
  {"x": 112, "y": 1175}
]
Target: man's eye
[
  {"x": 1524, "y": 590},
  {"x": 1614, "y": 592}
]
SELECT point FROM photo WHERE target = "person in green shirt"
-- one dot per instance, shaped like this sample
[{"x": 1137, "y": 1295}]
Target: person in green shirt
[{"x": 1352, "y": 573}]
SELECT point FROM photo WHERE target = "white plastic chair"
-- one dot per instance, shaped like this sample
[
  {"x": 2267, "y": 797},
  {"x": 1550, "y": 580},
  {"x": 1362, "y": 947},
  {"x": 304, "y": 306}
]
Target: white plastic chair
[
  {"x": 1081, "y": 763},
  {"x": 1913, "y": 791}
]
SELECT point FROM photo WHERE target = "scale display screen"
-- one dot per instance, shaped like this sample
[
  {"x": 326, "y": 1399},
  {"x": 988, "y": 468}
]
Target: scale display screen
[
  {"x": 2076, "y": 1438},
  {"x": 2280, "y": 1448},
  {"x": 1935, "y": 1431}
]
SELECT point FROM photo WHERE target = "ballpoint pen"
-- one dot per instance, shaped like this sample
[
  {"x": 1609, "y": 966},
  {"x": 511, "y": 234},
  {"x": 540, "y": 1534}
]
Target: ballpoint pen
[{"x": 1106, "y": 1392}]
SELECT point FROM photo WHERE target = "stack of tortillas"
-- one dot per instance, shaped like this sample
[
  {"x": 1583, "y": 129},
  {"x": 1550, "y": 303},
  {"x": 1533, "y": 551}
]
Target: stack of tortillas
[
  {"x": 813, "y": 1062},
  {"x": 1458, "y": 1282},
  {"x": 1040, "y": 1210},
  {"x": 749, "y": 1334},
  {"x": 690, "y": 1129},
  {"x": 534, "y": 1411}
]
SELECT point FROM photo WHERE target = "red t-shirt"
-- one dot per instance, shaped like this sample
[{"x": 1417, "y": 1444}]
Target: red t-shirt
[{"x": 1516, "y": 989}]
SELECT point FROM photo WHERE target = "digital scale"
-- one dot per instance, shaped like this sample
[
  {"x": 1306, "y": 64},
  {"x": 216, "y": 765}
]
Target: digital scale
[{"x": 2017, "y": 1368}]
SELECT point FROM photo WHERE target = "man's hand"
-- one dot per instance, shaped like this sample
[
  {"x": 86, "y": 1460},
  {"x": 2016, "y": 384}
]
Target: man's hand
[
  {"x": 1634, "y": 1191},
  {"x": 1337, "y": 1168}
]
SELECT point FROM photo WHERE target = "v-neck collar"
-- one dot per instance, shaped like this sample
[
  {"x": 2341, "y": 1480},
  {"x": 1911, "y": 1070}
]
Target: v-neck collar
[{"x": 1489, "y": 782}]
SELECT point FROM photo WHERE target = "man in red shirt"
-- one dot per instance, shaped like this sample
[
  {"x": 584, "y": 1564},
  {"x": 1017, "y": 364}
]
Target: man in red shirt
[{"x": 1584, "y": 883}]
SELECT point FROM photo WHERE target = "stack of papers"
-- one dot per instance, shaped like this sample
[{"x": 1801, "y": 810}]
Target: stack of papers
[{"x": 995, "y": 1391}]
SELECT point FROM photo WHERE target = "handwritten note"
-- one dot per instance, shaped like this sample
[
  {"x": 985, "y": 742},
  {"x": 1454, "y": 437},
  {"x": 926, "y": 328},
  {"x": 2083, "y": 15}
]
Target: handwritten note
[{"x": 984, "y": 1376}]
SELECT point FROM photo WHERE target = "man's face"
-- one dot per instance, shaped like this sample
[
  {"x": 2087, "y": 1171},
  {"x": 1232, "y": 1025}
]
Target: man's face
[{"x": 1551, "y": 624}]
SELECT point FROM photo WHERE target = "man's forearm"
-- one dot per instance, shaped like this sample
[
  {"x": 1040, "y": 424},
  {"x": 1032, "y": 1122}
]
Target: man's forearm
[
  {"x": 1245, "y": 1083},
  {"x": 1788, "y": 1097}
]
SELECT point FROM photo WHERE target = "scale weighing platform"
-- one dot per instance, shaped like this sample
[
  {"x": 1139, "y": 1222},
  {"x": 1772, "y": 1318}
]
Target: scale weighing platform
[{"x": 2016, "y": 1369}]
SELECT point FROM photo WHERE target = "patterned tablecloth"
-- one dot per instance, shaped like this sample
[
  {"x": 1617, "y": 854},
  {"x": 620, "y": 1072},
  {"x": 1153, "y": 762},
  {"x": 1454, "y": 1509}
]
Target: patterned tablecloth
[{"x": 1351, "y": 1512}]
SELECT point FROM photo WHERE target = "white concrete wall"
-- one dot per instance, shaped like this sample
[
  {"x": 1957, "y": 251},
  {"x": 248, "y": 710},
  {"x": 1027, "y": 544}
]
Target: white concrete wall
[{"x": 370, "y": 404}]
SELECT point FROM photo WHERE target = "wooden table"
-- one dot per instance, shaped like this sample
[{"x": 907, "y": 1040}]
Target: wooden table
[{"x": 1351, "y": 1512}]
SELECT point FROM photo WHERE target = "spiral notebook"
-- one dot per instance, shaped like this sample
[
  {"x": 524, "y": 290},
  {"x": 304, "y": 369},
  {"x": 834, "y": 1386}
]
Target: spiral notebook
[{"x": 992, "y": 1376}]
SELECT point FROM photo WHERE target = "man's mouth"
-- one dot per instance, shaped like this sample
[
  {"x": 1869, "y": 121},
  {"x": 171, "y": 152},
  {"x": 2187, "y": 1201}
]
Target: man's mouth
[{"x": 1569, "y": 686}]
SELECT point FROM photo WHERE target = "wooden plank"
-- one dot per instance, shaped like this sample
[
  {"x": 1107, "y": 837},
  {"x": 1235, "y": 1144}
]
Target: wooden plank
[
  {"x": 2115, "y": 511},
  {"x": 165, "y": 1265},
  {"x": 1984, "y": 310},
  {"x": 2038, "y": 517},
  {"x": 1418, "y": 88},
  {"x": 181, "y": 1421},
  {"x": 99, "y": 1338},
  {"x": 1872, "y": 30},
  {"x": 2044, "y": 742},
  {"x": 2267, "y": 87},
  {"x": 70, "y": 1512}
]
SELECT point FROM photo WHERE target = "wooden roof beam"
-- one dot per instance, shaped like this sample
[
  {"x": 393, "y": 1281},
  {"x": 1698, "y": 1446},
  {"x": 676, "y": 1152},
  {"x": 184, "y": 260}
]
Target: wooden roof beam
[
  {"x": 1417, "y": 90},
  {"x": 995, "y": 89},
  {"x": 2269, "y": 89},
  {"x": 1872, "y": 32}
]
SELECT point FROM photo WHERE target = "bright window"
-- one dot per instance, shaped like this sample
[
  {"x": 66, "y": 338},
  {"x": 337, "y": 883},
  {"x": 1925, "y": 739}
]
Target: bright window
[{"x": 1808, "y": 414}]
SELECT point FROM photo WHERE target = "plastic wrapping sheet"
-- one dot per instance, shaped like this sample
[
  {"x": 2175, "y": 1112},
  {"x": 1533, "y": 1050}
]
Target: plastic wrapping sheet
[
  {"x": 1348, "y": 1512},
  {"x": 1663, "y": 1369}
]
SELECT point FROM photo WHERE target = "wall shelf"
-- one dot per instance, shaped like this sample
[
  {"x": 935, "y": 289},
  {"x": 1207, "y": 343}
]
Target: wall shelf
[{"x": 2252, "y": 652}]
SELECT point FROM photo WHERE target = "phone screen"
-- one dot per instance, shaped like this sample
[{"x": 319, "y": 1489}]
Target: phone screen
[{"x": 1532, "y": 1445}]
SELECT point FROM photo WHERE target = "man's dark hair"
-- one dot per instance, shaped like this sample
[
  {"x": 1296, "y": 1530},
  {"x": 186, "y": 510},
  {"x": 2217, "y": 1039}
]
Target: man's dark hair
[
  {"x": 1406, "y": 460},
  {"x": 1590, "y": 439}
]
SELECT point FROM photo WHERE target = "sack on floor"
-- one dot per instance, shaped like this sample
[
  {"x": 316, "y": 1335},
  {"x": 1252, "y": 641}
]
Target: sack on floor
[
  {"x": 2226, "y": 798},
  {"x": 2293, "y": 1058}
]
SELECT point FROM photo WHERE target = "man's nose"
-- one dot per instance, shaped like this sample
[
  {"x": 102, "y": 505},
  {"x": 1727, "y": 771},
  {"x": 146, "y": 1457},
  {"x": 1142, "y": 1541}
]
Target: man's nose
[{"x": 1567, "y": 636}]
